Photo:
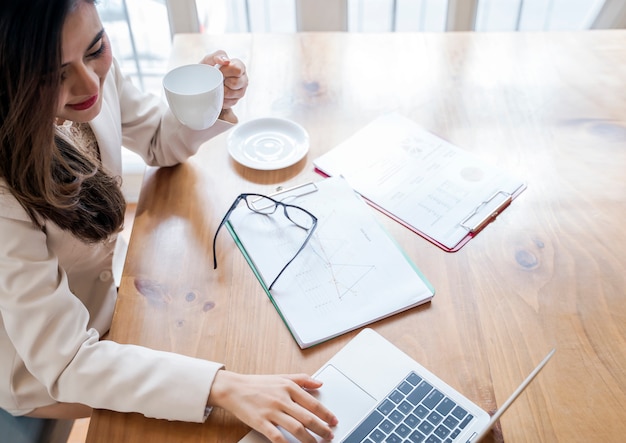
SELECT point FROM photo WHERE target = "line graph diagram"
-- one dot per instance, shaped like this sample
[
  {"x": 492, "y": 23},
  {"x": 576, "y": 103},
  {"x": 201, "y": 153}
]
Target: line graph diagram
[{"x": 331, "y": 269}]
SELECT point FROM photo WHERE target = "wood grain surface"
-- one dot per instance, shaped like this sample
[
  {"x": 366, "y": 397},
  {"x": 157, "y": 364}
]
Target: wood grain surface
[{"x": 549, "y": 272}]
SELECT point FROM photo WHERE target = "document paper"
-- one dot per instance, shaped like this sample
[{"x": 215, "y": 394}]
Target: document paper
[
  {"x": 351, "y": 273},
  {"x": 426, "y": 183}
]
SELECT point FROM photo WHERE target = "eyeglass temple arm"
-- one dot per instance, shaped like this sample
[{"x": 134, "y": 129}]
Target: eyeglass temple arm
[
  {"x": 217, "y": 231},
  {"x": 306, "y": 241},
  {"x": 223, "y": 222}
]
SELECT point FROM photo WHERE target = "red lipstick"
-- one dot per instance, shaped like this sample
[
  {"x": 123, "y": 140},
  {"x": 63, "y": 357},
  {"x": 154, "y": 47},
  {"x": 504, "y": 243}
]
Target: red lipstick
[{"x": 84, "y": 105}]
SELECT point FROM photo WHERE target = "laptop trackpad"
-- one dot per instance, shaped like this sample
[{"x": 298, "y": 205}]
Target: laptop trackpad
[{"x": 345, "y": 399}]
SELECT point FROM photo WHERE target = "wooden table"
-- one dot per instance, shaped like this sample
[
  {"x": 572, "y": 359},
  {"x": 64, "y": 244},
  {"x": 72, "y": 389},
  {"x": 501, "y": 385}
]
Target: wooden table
[{"x": 549, "y": 272}]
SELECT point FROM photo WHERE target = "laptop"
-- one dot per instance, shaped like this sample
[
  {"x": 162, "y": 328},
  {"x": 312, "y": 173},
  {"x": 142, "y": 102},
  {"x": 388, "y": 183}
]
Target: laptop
[{"x": 379, "y": 393}]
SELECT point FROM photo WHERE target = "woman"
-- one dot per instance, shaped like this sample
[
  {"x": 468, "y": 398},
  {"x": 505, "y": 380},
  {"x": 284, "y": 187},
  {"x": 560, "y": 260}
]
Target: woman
[{"x": 65, "y": 111}]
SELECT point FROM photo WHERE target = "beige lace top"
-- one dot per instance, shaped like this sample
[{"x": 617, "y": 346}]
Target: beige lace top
[{"x": 81, "y": 136}]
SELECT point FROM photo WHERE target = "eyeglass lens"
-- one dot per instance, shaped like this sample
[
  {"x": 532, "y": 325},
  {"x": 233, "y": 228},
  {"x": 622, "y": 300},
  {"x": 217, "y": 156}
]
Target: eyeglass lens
[{"x": 266, "y": 205}]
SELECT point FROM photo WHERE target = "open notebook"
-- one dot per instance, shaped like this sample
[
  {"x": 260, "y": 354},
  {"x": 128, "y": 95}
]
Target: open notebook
[
  {"x": 379, "y": 393},
  {"x": 350, "y": 273}
]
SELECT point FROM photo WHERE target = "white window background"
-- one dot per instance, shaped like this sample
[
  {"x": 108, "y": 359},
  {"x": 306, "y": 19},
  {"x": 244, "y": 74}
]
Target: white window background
[
  {"x": 402, "y": 15},
  {"x": 140, "y": 34}
]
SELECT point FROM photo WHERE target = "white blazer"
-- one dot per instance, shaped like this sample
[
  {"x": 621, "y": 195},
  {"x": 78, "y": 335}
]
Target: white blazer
[{"x": 57, "y": 293}]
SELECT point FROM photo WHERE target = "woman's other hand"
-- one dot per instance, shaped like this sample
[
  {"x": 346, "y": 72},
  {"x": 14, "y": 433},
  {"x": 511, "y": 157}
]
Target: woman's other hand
[{"x": 235, "y": 76}]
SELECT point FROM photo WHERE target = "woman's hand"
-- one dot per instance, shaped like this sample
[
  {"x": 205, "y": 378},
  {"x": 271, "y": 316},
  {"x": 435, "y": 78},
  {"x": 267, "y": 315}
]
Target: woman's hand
[
  {"x": 235, "y": 77},
  {"x": 267, "y": 401}
]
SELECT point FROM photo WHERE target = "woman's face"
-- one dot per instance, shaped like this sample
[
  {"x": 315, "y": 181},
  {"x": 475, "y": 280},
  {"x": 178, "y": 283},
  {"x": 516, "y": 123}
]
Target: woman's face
[{"x": 86, "y": 62}]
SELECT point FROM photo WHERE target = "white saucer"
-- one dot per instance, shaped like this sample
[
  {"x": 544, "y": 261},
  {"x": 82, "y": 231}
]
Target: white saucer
[{"x": 268, "y": 143}]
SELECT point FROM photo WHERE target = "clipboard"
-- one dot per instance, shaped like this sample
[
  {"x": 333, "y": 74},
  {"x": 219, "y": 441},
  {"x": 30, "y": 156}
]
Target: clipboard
[
  {"x": 336, "y": 284},
  {"x": 439, "y": 191}
]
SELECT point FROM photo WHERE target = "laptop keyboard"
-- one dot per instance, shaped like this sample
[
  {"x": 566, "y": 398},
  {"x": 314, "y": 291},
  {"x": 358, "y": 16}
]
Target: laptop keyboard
[{"x": 413, "y": 412}]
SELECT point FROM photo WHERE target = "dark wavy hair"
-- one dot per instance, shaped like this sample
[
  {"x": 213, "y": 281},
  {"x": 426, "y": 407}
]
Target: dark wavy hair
[{"x": 52, "y": 179}]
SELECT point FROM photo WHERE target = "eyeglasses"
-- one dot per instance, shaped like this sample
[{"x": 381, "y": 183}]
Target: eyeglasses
[{"x": 262, "y": 204}]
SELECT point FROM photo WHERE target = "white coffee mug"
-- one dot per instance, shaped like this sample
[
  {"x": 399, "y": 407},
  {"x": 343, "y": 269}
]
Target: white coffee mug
[{"x": 195, "y": 94}]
